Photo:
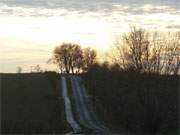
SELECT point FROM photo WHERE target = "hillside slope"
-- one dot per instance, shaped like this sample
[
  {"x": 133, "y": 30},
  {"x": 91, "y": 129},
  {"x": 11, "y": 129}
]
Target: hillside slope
[{"x": 30, "y": 104}]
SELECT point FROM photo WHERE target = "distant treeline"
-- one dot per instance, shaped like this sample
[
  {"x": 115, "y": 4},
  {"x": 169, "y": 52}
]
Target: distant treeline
[{"x": 138, "y": 51}]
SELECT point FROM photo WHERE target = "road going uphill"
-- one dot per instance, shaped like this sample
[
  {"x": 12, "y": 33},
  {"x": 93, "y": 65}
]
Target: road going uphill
[{"x": 83, "y": 109}]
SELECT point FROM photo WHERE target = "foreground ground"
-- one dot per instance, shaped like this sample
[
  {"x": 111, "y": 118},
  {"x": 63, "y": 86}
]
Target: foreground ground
[
  {"x": 126, "y": 102},
  {"x": 135, "y": 103},
  {"x": 31, "y": 103}
]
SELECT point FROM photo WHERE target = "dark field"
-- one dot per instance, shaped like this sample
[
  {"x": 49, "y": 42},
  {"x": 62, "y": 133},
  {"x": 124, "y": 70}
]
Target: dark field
[
  {"x": 135, "y": 103},
  {"x": 31, "y": 104},
  {"x": 126, "y": 102}
]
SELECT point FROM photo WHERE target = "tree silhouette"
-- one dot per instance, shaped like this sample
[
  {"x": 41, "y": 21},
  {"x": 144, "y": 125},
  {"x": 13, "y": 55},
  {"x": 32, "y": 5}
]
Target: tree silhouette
[
  {"x": 89, "y": 57},
  {"x": 71, "y": 58},
  {"x": 19, "y": 69},
  {"x": 67, "y": 56},
  {"x": 147, "y": 52}
]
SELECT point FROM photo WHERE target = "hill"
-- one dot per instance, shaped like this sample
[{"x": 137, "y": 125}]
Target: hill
[
  {"x": 31, "y": 104},
  {"x": 135, "y": 103}
]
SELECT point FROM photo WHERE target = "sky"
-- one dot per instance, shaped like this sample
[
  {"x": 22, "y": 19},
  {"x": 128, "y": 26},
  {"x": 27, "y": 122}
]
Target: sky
[{"x": 30, "y": 29}]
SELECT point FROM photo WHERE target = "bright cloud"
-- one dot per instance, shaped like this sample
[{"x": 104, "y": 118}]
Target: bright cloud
[{"x": 29, "y": 30}]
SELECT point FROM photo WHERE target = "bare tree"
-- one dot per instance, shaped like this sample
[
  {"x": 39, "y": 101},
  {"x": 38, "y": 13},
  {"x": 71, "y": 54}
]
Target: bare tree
[
  {"x": 172, "y": 54},
  {"x": 156, "y": 50},
  {"x": 117, "y": 54},
  {"x": 68, "y": 57},
  {"x": 89, "y": 57},
  {"x": 76, "y": 58},
  {"x": 135, "y": 49},
  {"x": 19, "y": 69},
  {"x": 60, "y": 64},
  {"x": 149, "y": 52},
  {"x": 38, "y": 69}
]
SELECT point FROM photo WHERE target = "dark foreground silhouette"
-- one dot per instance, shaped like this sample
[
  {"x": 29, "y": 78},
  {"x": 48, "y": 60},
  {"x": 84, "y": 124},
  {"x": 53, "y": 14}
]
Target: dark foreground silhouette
[
  {"x": 130, "y": 102},
  {"x": 31, "y": 104},
  {"x": 127, "y": 102}
]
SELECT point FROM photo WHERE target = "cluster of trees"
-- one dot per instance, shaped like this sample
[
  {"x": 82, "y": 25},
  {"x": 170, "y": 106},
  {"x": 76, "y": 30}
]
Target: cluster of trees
[
  {"x": 71, "y": 58},
  {"x": 137, "y": 50},
  {"x": 146, "y": 52},
  {"x": 36, "y": 68}
]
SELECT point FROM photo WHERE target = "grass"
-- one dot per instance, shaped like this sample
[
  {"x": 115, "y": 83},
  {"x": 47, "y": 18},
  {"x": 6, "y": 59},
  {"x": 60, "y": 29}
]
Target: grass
[
  {"x": 30, "y": 104},
  {"x": 135, "y": 103}
]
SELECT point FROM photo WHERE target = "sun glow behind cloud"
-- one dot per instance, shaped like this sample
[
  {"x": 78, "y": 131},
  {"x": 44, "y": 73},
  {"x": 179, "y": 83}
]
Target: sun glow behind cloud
[{"x": 28, "y": 34}]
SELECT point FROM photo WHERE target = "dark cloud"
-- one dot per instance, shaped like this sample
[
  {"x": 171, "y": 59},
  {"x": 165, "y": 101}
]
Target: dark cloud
[
  {"x": 173, "y": 27},
  {"x": 90, "y": 5},
  {"x": 36, "y": 8}
]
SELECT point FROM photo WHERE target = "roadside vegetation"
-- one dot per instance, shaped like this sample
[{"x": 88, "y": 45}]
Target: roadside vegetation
[
  {"x": 31, "y": 104},
  {"x": 129, "y": 102},
  {"x": 137, "y": 92}
]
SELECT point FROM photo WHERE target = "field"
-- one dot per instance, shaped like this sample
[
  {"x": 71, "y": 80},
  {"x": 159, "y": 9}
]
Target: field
[
  {"x": 126, "y": 102},
  {"x": 135, "y": 103},
  {"x": 31, "y": 104}
]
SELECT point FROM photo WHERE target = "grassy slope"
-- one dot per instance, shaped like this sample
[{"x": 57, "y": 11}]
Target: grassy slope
[
  {"x": 30, "y": 104},
  {"x": 133, "y": 103}
]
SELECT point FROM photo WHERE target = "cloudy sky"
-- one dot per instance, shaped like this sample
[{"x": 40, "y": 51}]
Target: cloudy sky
[{"x": 30, "y": 29}]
